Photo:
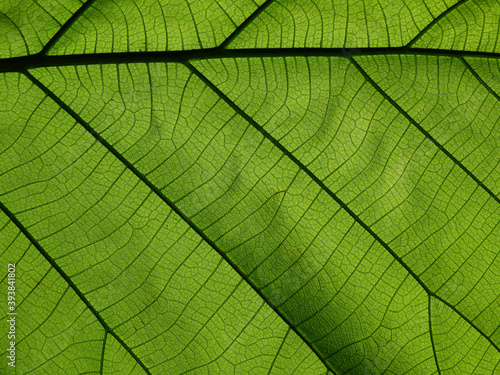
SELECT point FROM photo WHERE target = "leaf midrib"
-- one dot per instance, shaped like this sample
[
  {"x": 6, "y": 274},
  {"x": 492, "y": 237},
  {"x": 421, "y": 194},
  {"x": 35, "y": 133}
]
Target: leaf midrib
[{"x": 41, "y": 60}]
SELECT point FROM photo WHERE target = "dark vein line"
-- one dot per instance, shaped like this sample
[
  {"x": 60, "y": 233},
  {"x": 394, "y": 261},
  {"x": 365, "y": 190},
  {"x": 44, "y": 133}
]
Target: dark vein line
[
  {"x": 47, "y": 317},
  {"x": 195, "y": 24},
  {"x": 346, "y": 318},
  {"x": 333, "y": 296},
  {"x": 220, "y": 306},
  {"x": 432, "y": 335},
  {"x": 278, "y": 351},
  {"x": 174, "y": 207},
  {"x": 101, "y": 369},
  {"x": 424, "y": 132},
  {"x": 341, "y": 203},
  {"x": 433, "y": 22},
  {"x": 220, "y": 355},
  {"x": 41, "y": 59},
  {"x": 478, "y": 77},
  {"x": 496, "y": 366},
  {"x": 19, "y": 31},
  {"x": 70, "y": 282},
  {"x": 55, "y": 38},
  {"x": 131, "y": 261},
  {"x": 244, "y": 24},
  {"x": 186, "y": 305},
  {"x": 23, "y": 63},
  {"x": 161, "y": 293}
]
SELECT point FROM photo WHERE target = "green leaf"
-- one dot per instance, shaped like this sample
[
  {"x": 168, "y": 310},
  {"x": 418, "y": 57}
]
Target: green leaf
[{"x": 211, "y": 187}]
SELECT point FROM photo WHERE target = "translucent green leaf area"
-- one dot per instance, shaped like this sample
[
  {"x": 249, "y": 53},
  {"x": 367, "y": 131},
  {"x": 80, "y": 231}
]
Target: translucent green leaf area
[{"x": 279, "y": 187}]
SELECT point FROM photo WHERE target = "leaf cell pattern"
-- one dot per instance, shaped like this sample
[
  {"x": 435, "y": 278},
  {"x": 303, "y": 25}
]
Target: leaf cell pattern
[{"x": 276, "y": 187}]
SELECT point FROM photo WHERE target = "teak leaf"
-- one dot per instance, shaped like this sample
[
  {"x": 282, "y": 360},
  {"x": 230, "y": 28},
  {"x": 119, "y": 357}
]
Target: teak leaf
[{"x": 278, "y": 187}]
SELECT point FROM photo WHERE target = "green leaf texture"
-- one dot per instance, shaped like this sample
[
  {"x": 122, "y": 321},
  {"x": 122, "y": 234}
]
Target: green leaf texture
[{"x": 279, "y": 187}]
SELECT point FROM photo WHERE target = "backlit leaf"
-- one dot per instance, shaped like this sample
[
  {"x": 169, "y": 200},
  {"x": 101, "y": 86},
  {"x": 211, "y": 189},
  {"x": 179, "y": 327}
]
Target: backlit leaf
[{"x": 211, "y": 187}]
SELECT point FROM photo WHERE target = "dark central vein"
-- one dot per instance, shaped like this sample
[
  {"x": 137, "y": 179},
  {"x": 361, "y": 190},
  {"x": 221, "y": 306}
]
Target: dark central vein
[{"x": 23, "y": 63}]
